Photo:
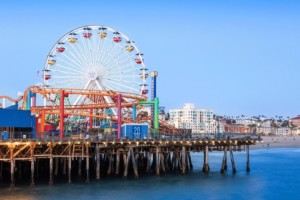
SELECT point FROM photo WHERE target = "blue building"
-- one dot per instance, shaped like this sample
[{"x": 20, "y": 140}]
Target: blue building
[{"x": 16, "y": 123}]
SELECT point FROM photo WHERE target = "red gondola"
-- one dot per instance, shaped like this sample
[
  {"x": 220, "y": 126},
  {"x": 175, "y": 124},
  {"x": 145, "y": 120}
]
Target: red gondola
[
  {"x": 87, "y": 35},
  {"x": 47, "y": 77},
  {"x": 60, "y": 49},
  {"x": 139, "y": 61},
  {"x": 144, "y": 91},
  {"x": 117, "y": 39}
]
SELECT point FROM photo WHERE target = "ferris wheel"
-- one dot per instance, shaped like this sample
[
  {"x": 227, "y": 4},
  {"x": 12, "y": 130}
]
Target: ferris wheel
[{"x": 97, "y": 58}]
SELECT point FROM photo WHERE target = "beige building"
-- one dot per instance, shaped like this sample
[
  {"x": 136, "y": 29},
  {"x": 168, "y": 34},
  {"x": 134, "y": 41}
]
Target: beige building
[{"x": 191, "y": 117}]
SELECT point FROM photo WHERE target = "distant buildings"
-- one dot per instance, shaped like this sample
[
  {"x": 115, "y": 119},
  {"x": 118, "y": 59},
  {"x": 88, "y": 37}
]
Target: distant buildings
[{"x": 190, "y": 117}]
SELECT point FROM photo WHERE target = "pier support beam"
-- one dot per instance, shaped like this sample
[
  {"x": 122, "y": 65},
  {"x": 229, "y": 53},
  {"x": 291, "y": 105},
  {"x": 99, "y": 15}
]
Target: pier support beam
[
  {"x": 148, "y": 162},
  {"x": 32, "y": 166},
  {"x": 70, "y": 164},
  {"x": 12, "y": 168},
  {"x": 79, "y": 173},
  {"x": 183, "y": 156},
  {"x": 232, "y": 160},
  {"x": 157, "y": 161},
  {"x": 126, "y": 163},
  {"x": 205, "y": 164},
  {"x": 97, "y": 162},
  {"x": 135, "y": 170},
  {"x": 224, "y": 161},
  {"x": 87, "y": 164},
  {"x": 117, "y": 162},
  {"x": 248, "y": 158},
  {"x": 51, "y": 166}
]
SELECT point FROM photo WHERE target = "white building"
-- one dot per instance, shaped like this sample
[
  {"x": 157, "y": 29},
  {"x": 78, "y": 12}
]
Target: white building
[{"x": 191, "y": 117}]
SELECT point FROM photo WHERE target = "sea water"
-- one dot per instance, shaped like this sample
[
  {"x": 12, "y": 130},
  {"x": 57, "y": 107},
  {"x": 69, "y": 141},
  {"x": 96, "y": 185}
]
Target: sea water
[{"x": 275, "y": 174}]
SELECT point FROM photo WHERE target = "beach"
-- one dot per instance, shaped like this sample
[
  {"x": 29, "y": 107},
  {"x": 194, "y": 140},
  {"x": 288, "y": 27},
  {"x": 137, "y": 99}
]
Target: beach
[{"x": 278, "y": 141}]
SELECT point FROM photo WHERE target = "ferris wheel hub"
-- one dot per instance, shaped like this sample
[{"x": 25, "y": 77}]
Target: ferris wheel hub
[{"x": 92, "y": 75}]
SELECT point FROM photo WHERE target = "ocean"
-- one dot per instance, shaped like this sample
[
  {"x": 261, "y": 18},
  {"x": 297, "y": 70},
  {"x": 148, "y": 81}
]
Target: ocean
[{"x": 274, "y": 175}]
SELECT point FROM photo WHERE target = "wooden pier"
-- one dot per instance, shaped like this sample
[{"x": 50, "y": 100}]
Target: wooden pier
[{"x": 92, "y": 159}]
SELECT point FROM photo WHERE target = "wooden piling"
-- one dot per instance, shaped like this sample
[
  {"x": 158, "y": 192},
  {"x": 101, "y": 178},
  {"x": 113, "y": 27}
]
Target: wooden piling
[
  {"x": 109, "y": 157},
  {"x": 232, "y": 160},
  {"x": 205, "y": 164},
  {"x": 32, "y": 165},
  {"x": 87, "y": 164},
  {"x": 70, "y": 164},
  {"x": 162, "y": 163},
  {"x": 190, "y": 160},
  {"x": 224, "y": 161},
  {"x": 135, "y": 170},
  {"x": 51, "y": 166},
  {"x": 183, "y": 160},
  {"x": 97, "y": 162},
  {"x": 148, "y": 162},
  {"x": 126, "y": 163},
  {"x": 79, "y": 172},
  {"x": 248, "y": 158},
  {"x": 157, "y": 161},
  {"x": 12, "y": 168},
  {"x": 117, "y": 162}
]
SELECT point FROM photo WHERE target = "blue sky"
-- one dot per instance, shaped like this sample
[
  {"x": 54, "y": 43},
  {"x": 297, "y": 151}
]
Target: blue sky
[{"x": 235, "y": 57}]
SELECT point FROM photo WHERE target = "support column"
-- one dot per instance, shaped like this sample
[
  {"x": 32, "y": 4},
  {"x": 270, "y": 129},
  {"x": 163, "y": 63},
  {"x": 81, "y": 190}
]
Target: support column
[
  {"x": 190, "y": 161},
  {"x": 32, "y": 165},
  {"x": 248, "y": 158},
  {"x": 126, "y": 162},
  {"x": 148, "y": 161},
  {"x": 69, "y": 169},
  {"x": 87, "y": 159},
  {"x": 232, "y": 160},
  {"x": 79, "y": 167},
  {"x": 119, "y": 115},
  {"x": 205, "y": 165},
  {"x": 70, "y": 163},
  {"x": 91, "y": 119},
  {"x": 117, "y": 162},
  {"x": 51, "y": 166},
  {"x": 12, "y": 168},
  {"x": 97, "y": 162},
  {"x": 62, "y": 113},
  {"x": 224, "y": 161},
  {"x": 157, "y": 161},
  {"x": 183, "y": 155},
  {"x": 133, "y": 113},
  {"x": 136, "y": 175}
]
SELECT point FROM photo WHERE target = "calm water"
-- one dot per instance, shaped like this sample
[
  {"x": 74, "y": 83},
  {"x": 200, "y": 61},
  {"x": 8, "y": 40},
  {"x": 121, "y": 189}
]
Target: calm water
[{"x": 275, "y": 174}]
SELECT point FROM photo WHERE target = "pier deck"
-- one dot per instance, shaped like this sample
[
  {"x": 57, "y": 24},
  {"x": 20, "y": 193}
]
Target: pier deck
[{"x": 55, "y": 158}]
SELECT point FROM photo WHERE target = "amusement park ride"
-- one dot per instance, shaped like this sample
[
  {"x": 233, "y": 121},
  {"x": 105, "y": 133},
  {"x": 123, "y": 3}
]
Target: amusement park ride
[{"x": 94, "y": 75}]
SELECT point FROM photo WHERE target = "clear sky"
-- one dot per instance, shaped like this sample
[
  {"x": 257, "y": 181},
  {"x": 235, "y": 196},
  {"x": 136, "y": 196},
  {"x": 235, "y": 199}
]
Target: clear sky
[{"x": 234, "y": 57}]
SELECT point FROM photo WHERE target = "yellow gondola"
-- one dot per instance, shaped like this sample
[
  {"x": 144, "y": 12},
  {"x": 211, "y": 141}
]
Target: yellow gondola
[
  {"x": 72, "y": 40},
  {"x": 144, "y": 76},
  {"x": 51, "y": 62},
  {"x": 129, "y": 48},
  {"x": 102, "y": 35}
]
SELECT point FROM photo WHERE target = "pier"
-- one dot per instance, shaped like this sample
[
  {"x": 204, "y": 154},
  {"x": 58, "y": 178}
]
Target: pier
[{"x": 92, "y": 158}]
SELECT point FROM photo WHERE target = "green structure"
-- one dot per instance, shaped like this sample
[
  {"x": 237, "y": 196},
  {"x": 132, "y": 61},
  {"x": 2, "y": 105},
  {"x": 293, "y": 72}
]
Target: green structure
[{"x": 155, "y": 117}]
